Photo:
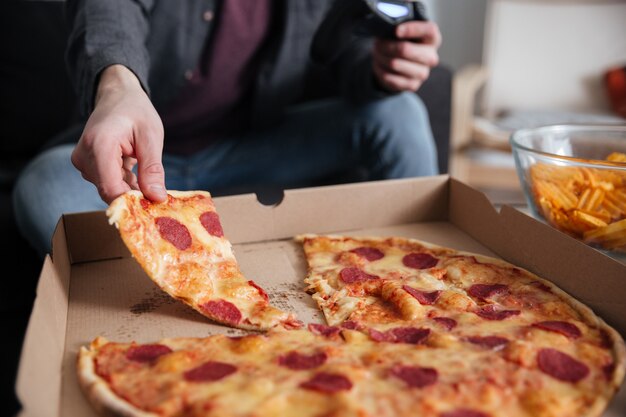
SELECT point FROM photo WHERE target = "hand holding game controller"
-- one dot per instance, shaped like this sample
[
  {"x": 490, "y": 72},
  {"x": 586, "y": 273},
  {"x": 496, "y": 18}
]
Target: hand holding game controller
[{"x": 406, "y": 42}]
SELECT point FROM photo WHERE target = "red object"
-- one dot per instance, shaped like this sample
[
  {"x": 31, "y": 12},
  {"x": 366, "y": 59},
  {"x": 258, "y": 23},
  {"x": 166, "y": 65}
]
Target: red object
[
  {"x": 298, "y": 361},
  {"x": 566, "y": 329},
  {"x": 615, "y": 82},
  {"x": 209, "y": 372},
  {"x": 327, "y": 383},
  {"x": 419, "y": 260},
  {"x": 223, "y": 311},
  {"x": 211, "y": 222},
  {"x": 351, "y": 275},
  {"x": 371, "y": 254},
  {"x": 424, "y": 298},
  {"x": 561, "y": 366},
  {"x": 174, "y": 232},
  {"x": 323, "y": 330},
  {"x": 147, "y": 353},
  {"x": 415, "y": 376}
]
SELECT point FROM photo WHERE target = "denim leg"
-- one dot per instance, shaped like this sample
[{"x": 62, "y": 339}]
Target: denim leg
[
  {"x": 395, "y": 138},
  {"x": 384, "y": 139},
  {"x": 48, "y": 187}
]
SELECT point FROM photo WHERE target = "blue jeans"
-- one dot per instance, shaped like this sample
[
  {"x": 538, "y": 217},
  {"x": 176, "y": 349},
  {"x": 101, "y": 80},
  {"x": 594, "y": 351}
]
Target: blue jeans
[{"x": 315, "y": 143}]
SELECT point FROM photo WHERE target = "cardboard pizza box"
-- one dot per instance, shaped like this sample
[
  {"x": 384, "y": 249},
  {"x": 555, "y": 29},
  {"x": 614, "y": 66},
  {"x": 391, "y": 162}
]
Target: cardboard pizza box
[{"x": 90, "y": 285}]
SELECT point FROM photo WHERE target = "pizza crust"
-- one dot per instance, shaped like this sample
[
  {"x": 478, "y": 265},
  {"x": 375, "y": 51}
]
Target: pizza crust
[
  {"x": 107, "y": 402},
  {"x": 618, "y": 347},
  {"x": 97, "y": 390},
  {"x": 182, "y": 248}
]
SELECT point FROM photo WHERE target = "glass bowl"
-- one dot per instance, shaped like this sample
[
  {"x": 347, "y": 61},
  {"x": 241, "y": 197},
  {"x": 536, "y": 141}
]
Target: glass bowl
[{"x": 574, "y": 178}]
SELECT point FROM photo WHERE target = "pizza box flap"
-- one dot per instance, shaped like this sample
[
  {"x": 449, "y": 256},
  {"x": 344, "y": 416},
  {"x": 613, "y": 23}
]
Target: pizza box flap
[
  {"x": 597, "y": 280},
  {"x": 90, "y": 238},
  {"x": 334, "y": 208},
  {"x": 39, "y": 377},
  {"x": 110, "y": 294}
]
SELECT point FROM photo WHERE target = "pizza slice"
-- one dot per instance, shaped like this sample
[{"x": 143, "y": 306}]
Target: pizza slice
[
  {"x": 408, "y": 291},
  {"x": 383, "y": 284},
  {"x": 374, "y": 280},
  {"x": 312, "y": 373},
  {"x": 181, "y": 245}
]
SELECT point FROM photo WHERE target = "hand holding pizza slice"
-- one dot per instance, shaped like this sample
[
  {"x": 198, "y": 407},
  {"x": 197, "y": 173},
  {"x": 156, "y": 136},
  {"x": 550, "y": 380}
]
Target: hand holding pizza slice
[{"x": 180, "y": 244}]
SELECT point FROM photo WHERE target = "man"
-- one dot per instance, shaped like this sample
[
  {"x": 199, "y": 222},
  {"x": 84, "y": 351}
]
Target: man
[{"x": 223, "y": 96}]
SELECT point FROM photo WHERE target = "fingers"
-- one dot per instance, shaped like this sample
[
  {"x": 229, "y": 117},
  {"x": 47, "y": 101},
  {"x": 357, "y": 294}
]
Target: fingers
[
  {"x": 403, "y": 64},
  {"x": 426, "y": 32},
  {"x": 406, "y": 50},
  {"x": 151, "y": 174},
  {"x": 397, "y": 82},
  {"x": 123, "y": 131},
  {"x": 105, "y": 171},
  {"x": 129, "y": 176}
]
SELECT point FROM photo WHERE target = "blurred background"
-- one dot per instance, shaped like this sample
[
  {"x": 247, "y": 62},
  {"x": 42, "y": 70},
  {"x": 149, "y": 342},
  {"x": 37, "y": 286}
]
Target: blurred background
[
  {"x": 462, "y": 25},
  {"x": 526, "y": 63}
]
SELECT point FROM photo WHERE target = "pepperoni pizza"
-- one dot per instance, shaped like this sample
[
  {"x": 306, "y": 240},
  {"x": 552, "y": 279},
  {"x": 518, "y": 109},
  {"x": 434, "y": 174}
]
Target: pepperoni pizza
[
  {"x": 297, "y": 373},
  {"x": 412, "y": 329},
  {"x": 547, "y": 350},
  {"x": 181, "y": 245}
]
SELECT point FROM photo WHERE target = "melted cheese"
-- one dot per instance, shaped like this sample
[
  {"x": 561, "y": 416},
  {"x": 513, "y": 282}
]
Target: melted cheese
[
  {"x": 206, "y": 270},
  {"x": 513, "y": 384}
]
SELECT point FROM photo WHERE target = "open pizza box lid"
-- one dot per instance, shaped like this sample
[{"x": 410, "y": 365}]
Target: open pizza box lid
[{"x": 90, "y": 286}]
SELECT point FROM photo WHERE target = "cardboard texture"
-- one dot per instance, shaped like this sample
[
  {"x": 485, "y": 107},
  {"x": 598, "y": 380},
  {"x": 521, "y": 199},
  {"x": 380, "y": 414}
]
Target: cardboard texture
[{"x": 91, "y": 286}]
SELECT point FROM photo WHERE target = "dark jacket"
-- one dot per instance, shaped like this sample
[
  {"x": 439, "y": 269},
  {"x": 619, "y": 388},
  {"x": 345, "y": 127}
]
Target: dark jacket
[{"x": 160, "y": 40}]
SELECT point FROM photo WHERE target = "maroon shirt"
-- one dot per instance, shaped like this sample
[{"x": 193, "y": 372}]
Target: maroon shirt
[{"x": 215, "y": 103}]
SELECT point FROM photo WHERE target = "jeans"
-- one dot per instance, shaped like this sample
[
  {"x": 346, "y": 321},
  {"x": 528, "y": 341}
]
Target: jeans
[{"x": 316, "y": 143}]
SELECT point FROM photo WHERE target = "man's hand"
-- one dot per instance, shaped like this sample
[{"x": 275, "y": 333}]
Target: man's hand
[
  {"x": 403, "y": 64},
  {"x": 123, "y": 130}
]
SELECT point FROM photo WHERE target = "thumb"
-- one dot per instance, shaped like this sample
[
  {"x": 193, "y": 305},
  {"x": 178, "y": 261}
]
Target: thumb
[{"x": 150, "y": 171}]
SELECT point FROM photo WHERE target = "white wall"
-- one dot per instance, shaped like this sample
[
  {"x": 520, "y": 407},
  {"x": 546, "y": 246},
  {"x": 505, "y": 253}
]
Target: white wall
[{"x": 461, "y": 23}]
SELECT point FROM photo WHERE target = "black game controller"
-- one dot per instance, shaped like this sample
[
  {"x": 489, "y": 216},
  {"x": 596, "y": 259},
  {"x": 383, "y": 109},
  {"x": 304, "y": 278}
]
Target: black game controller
[{"x": 350, "y": 19}]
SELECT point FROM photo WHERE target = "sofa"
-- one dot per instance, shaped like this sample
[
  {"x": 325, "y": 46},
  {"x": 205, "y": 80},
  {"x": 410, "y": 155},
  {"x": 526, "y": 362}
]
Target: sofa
[{"x": 38, "y": 103}]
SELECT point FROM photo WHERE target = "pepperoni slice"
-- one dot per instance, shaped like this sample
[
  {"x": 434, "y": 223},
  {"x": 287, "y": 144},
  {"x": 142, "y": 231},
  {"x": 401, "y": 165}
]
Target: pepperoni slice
[
  {"x": 145, "y": 203},
  {"x": 174, "y": 232},
  {"x": 424, "y": 298},
  {"x": 369, "y": 253},
  {"x": 353, "y": 274},
  {"x": 209, "y": 372},
  {"x": 223, "y": 311},
  {"x": 350, "y": 325},
  {"x": 147, "y": 353},
  {"x": 606, "y": 341},
  {"x": 298, "y": 361},
  {"x": 464, "y": 412},
  {"x": 377, "y": 336},
  {"x": 567, "y": 329},
  {"x": 608, "y": 370},
  {"x": 491, "y": 342},
  {"x": 410, "y": 335},
  {"x": 260, "y": 290},
  {"x": 416, "y": 376},
  {"x": 323, "y": 330},
  {"x": 490, "y": 312},
  {"x": 419, "y": 260},
  {"x": 561, "y": 366},
  {"x": 446, "y": 322},
  {"x": 327, "y": 383},
  {"x": 484, "y": 291},
  {"x": 211, "y": 222}
]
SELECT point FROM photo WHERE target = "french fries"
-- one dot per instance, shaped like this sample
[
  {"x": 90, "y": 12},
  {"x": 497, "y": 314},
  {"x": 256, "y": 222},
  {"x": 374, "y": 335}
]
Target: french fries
[{"x": 587, "y": 203}]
